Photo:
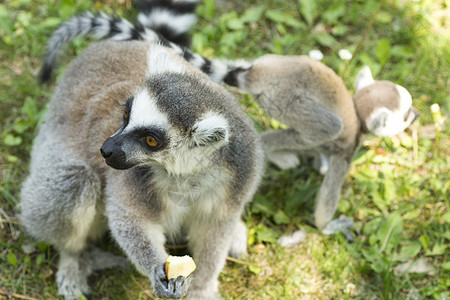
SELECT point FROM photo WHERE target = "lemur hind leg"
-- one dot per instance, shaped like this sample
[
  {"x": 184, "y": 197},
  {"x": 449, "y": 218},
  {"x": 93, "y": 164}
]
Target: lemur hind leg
[
  {"x": 281, "y": 146},
  {"x": 59, "y": 199},
  {"x": 329, "y": 193},
  {"x": 311, "y": 125},
  {"x": 288, "y": 139},
  {"x": 59, "y": 205},
  {"x": 75, "y": 267}
]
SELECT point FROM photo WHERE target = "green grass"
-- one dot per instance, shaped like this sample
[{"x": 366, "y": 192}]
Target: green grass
[{"x": 397, "y": 190}]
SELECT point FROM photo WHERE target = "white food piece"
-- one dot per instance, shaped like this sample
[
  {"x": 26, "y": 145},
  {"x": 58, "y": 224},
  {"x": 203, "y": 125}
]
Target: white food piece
[{"x": 179, "y": 266}]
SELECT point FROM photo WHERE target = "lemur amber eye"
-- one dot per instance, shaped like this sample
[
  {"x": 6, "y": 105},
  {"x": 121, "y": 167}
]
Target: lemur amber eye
[
  {"x": 125, "y": 113},
  {"x": 151, "y": 141}
]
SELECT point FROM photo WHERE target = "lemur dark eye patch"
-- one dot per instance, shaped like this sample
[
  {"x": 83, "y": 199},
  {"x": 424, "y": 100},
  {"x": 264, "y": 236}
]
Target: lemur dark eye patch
[{"x": 154, "y": 138}]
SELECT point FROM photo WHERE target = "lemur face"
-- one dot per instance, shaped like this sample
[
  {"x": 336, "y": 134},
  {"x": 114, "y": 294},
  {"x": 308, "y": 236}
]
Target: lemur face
[
  {"x": 144, "y": 132},
  {"x": 164, "y": 126},
  {"x": 384, "y": 107}
]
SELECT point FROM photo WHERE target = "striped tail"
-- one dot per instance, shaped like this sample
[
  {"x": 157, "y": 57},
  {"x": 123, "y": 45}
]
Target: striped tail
[
  {"x": 98, "y": 26},
  {"x": 173, "y": 19},
  {"x": 103, "y": 27}
]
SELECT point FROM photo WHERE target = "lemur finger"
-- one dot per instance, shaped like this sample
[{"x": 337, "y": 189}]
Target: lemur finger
[
  {"x": 171, "y": 286},
  {"x": 182, "y": 285}
]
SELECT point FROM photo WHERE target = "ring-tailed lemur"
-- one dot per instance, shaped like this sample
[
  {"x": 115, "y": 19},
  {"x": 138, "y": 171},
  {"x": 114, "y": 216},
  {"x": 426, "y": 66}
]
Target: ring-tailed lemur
[
  {"x": 183, "y": 160},
  {"x": 302, "y": 93},
  {"x": 313, "y": 101}
]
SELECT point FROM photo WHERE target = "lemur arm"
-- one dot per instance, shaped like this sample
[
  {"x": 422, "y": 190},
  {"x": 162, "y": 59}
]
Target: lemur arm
[{"x": 143, "y": 241}]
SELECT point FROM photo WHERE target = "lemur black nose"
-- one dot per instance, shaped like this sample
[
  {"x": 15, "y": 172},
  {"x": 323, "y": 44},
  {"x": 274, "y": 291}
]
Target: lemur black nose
[
  {"x": 109, "y": 147},
  {"x": 106, "y": 153}
]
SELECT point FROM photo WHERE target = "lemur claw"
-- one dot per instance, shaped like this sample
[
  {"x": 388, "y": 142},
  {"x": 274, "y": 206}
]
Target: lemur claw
[{"x": 174, "y": 288}]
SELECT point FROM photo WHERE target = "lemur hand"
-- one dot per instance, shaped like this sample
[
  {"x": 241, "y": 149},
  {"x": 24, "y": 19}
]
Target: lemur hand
[{"x": 174, "y": 288}]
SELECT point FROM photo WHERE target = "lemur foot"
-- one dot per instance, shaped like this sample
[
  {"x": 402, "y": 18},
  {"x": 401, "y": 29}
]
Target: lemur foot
[
  {"x": 238, "y": 247},
  {"x": 318, "y": 161},
  {"x": 288, "y": 241},
  {"x": 340, "y": 225},
  {"x": 284, "y": 159},
  {"x": 72, "y": 280},
  {"x": 99, "y": 260}
]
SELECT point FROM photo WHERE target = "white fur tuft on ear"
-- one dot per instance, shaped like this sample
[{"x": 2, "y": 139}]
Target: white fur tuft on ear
[
  {"x": 210, "y": 130},
  {"x": 364, "y": 78},
  {"x": 405, "y": 98}
]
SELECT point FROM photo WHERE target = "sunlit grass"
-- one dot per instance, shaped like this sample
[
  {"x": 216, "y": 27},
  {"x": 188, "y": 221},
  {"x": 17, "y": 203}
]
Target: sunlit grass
[{"x": 401, "y": 181}]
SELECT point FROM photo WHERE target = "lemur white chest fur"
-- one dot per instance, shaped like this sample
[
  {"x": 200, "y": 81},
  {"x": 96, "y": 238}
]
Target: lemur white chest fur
[{"x": 187, "y": 196}]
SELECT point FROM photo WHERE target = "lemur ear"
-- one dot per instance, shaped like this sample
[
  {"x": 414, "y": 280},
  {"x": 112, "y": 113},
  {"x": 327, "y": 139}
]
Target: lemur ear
[
  {"x": 211, "y": 130},
  {"x": 364, "y": 78}
]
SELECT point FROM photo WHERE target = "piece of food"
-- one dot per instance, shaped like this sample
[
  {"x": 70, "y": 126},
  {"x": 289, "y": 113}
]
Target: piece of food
[{"x": 179, "y": 266}]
